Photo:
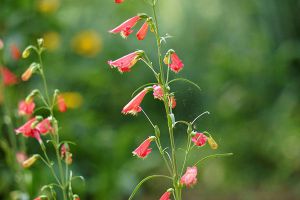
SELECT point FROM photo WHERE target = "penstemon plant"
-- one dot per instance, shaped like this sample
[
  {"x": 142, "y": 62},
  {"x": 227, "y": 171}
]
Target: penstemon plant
[
  {"x": 48, "y": 126},
  {"x": 180, "y": 173}
]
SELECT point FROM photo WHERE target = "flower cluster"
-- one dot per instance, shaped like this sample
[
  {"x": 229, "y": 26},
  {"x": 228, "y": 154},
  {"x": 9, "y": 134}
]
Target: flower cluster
[
  {"x": 37, "y": 126},
  {"x": 161, "y": 90}
]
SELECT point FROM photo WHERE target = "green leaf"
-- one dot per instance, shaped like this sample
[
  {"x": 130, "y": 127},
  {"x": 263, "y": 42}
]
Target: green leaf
[{"x": 185, "y": 80}]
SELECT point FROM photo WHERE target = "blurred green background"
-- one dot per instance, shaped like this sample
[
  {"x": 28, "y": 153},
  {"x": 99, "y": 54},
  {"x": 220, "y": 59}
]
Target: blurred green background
[{"x": 245, "y": 55}]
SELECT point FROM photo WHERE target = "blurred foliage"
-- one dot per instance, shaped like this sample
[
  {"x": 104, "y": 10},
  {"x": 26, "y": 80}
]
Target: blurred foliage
[{"x": 245, "y": 55}]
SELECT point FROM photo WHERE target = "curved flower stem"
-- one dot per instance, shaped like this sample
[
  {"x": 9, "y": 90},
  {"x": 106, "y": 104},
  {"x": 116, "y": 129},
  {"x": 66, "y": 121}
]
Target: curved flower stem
[
  {"x": 144, "y": 180},
  {"x": 55, "y": 137},
  {"x": 150, "y": 66},
  {"x": 213, "y": 156},
  {"x": 187, "y": 151},
  {"x": 162, "y": 154},
  {"x": 49, "y": 163},
  {"x": 206, "y": 112},
  {"x": 148, "y": 118}
]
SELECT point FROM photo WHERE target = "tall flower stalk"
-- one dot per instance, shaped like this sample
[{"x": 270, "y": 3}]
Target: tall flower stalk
[
  {"x": 181, "y": 172},
  {"x": 39, "y": 127}
]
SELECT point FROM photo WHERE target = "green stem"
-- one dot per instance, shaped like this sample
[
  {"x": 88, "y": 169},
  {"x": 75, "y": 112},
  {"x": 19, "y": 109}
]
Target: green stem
[
  {"x": 166, "y": 104},
  {"x": 144, "y": 180},
  {"x": 213, "y": 156}
]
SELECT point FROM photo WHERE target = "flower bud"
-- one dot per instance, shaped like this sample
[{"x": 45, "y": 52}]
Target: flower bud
[
  {"x": 26, "y": 53},
  {"x": 31, "y": 95},
  {"x": 76, "y": 197},
  {"x": 40, "y": 42},
  {"x": 212, "y": 143},
  {"x": 28, "y": 73},
  {"x": 30, "y": 161}
]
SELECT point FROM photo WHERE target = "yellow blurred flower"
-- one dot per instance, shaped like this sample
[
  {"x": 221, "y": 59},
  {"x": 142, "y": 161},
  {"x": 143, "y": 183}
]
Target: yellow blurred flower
[
  {"x": 87, "y": 43},
  {"x": 72, "y": 99},
  {"x": 48, "y": 6},
  {"x": 52, "y": 40}
]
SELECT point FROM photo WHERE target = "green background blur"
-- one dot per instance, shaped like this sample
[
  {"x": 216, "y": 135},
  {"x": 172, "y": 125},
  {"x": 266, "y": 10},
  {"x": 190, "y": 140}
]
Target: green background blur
[{"x": 245, "y": 55}]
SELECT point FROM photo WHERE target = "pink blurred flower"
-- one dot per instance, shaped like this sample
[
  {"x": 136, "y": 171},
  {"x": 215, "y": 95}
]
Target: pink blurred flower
[
  {"x": 133, "y": 107},
  {"x": 125, "y": 63},
  {"x": 9, "y": 78},
  {"x": 119, "y": 1},
  {"x": 199, "y": 139},
  {"x": 190, "y": 177},
  {"x": 44, "y": 126},
  {"x": 143, "y": 150},
  {"x": 1, "y": 44},
  {"x": 26, "y": 107},
  {"x": 21, "y": 157},
  {"x": 141, "y": 34},
  {"x": 158, "y": 92},
  {"x": 125, "y": 29}
]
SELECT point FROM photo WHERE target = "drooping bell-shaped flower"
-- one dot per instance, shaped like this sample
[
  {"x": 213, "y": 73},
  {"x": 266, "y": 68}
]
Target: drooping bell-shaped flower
[
  {"x": 141, "y": 34},
  {"x": 173, "y": 61},
  {"x": 133, "y": 107},
  {"x": 26, "y": 107},
  {"x": 143, "y": 150},
  {"x": 190, "y": 177},
  {"x": 125, "y": 63},
  {"x": 199, "y": 139},
  {"x": 26, "y": 129},
  {"x": 125, "y": 29},
  {"x": 44, "y": 126}
]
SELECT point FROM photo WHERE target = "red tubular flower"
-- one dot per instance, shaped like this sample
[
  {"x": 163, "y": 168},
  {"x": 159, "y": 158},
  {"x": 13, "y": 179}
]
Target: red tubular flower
[
  {"x": 165, "y": 196},
  {"x": 175, "y": 64},
  {"x": 190, "y": 177},
  {"x": 26, "y": 107},
  {"x": 9, "y": 78},
  {"x": 141, "y": 34},
  {"x": 199, "y": 139},
  {"x": 125, "y": 63},
  {"x": 158, "y": 92},
  {"x": 119, "y": 1},
  {"x": 62, "y": 106},
  {"x": 125, "y": 29},
  {"x": 133, "y": 107},
  {"x": 143, "y": 150},
  {"x": 172, "y": 102},
  {"x": 15, "y": 52}
]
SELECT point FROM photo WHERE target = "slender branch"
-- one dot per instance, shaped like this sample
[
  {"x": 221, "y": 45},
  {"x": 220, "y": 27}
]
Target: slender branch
[
  {"x": 206, "y": 112},
  {"x": 144, "y": 180},
  {"x": 213, "y": 156}
]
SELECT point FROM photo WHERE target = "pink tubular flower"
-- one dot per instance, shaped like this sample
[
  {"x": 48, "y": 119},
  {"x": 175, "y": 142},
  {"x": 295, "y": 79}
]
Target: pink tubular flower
[
  {"x": 119, "y": 1},
  {"x": 133, "y": 107},
  {"x": 141, "y": 34},
  {"x": 62, "y": 106},
  {"x": 166, "y": 196},
  {"x": 44, "y": 126},
  {"x": 26, "y": 107},
  {"x": 29, "y": 130},
  {"x": 175, "y": 64},
  {"x": 143, "y": 150},
  {"x": 125, "y": 63},
  {"x": 199, "y": 139},
  {"x": 125, "y": 29},
  {"x": 9, "y": 78},
  {"x": 21, "y": 157},
  {"x": 158, "y": 92},
  {"x": 190, "y": 177}
]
